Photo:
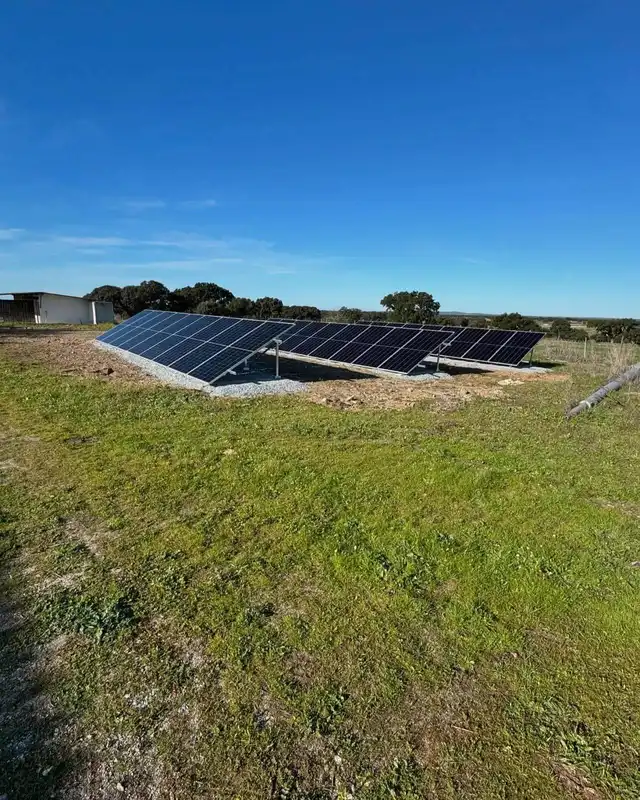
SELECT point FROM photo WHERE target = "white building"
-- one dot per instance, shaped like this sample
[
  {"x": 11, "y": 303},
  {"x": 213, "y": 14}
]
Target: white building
[{"x": 47, "y": 307}]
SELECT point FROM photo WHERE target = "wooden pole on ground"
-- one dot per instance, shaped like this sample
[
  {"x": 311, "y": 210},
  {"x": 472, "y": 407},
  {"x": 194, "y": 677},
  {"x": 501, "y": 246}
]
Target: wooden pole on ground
[{"x": 632, "y": 374}]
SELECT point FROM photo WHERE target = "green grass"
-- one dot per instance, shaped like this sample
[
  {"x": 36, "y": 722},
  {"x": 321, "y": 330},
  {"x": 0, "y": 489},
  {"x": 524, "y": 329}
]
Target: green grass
[
  {"x": 270, "y": 598},
  {"x": 55, "y": 326}
]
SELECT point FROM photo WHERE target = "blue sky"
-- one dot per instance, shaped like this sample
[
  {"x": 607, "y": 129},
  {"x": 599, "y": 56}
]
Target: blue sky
[{"x": 326, "y": 153}]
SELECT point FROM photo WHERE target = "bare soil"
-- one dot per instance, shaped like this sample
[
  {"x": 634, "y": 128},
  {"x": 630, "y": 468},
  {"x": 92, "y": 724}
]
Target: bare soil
[
  {"x": 69, "y": 353},
  {"x": 73, "y": 353}
]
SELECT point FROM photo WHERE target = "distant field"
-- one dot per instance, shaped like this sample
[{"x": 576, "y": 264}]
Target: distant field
[{"x": 277, "y": 599}]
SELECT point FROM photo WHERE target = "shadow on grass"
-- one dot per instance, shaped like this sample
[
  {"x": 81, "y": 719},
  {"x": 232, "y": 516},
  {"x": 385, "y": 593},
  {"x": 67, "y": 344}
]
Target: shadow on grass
[{"x": 33, "y": 761}]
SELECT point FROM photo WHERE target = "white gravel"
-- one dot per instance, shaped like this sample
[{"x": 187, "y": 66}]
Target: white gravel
[{"x": 251, "y": 384}]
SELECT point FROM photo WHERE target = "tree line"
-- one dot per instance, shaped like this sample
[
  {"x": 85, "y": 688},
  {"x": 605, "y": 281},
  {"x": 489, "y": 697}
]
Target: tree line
[
  {"x": 201, "y": 298},
  {"x": 415, "y": 306}
]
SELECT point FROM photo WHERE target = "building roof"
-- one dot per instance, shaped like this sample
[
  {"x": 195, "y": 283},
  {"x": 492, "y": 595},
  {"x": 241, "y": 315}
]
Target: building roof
[{"x": 56, "y": 294}]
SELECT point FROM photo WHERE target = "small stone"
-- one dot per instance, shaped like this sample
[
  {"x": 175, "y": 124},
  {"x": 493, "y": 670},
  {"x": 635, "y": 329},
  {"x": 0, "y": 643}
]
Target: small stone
[
  {"x": 635, "y": 563},
  {"x": 46, "y": 771},
  {"x": 119, "y": 787}
]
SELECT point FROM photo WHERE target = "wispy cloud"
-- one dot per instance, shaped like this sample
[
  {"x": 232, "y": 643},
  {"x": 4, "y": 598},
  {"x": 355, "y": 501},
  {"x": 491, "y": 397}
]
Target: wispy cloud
[
  {"x": 139, "y": 205},
  {"x": 93, "y": 241},
  {"x": 209, "y": 203},
  {"x": 136, "y": 206},
  {"x": 8, "y": 234},
  {"x": 171, "y": 255},
  {"x": 473, "y": 260},
  {"x": 280, "y": 271}
]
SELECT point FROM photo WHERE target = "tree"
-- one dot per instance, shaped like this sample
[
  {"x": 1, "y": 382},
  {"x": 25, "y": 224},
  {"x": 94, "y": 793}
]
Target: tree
[
  {"x": 240, "y": 307},
  {"x": 302, "y": 312},
  {"x": 189, "y": 297},
  {"x": 614, "y": 330},
  {"x": 267, "y": 307},
  {"x": 148, "y": 294},
  {"x": 561, "y": 329},
  {"x": 179, "y": 300},
  {"x": 349, "y": 314},
  {"x": 112, "y": 294},
  {"x": 411, "y": 307},
  {"x": 514, "y": 322}
]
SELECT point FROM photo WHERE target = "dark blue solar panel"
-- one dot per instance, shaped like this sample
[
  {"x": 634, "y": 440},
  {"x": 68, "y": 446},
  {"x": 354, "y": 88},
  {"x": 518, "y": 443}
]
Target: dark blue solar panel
[
  {"x": 325, "y": 348},
  {"x": 307, "y": 346},
  {"x": 196, "y": 356},
  {"x": 398, "y": 337},
  {"x": 403, "y": 360},
  {"x": 332, "y": 330},
  {"x": 149, "y": 341},
  {"x": 313, "y": 328},
  {"x": 255, "y": 336},
  {"x": 373, "y": 335},
  {"x": 376, "y": 355},
  {"x": 229, "y": 358},
  {"x": 215, "y": 328},
  {"x": 188, "y": 342},
  {"x": 178, "y": 324},
  {"x": 158, "y": 319},
  {"x": 164, "y": 343},
  {"x": 197, "y": 326},
  {"x": 491, "y": 346},
  {"x": 425, "y": 341},
  {"x": 349, "y": 352},
  {"x": 183, "y": 347},
  {"x": 234, "y": 332},
  {"x": 496, "y": 337},
  {"x": 129, "y": 334},
  {"x": 293, "y": 342},
  {"x": 509, "y": 355}
]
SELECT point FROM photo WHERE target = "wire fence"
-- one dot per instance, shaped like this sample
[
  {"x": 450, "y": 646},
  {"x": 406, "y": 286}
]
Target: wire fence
[{"x": 602, "y": 358}]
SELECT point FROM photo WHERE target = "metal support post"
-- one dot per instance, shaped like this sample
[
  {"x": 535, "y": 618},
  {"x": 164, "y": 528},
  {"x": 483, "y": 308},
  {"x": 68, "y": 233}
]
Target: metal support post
[
  {"x": 531, "y": 357},
  {"x": 277, "y": 341}
]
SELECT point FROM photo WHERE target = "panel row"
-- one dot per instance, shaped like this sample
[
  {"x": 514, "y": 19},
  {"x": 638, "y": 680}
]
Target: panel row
[
  {"x": 204, "y": 347},
  {"x": 464, "y": 343}
]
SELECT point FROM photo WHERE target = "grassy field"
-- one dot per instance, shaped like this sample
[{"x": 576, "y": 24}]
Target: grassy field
[{"x": 273, "y": 599}]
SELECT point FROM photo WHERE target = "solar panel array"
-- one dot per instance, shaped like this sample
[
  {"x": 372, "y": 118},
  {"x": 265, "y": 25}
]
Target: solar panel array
[
  {"x": 329, "y": 340},
  {"x": 202, "y": 346},
  {"x": 380, "y": 347}
]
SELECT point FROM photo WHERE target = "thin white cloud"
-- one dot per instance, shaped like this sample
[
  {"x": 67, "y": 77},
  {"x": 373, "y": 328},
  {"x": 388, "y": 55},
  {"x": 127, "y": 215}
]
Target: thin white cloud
[
  {"x": 281, "y": 271},
  {"x": 93, "y": 241},
  {"x": 135, "y": 206},
  {"x": 208, "y": 203},
  {"x": 9, "y": 234}
]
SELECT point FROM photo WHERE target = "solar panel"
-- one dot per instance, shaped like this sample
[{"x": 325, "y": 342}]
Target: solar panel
[
  {"x": 378, "y": 346},
  {"x": 202, "y": 346},
  {"x": 321, "y": 339},
  {"x": 491, "y": 346}
]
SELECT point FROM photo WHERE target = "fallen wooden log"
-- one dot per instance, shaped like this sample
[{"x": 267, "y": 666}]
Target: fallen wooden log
[{"x": 632, "y": 374}]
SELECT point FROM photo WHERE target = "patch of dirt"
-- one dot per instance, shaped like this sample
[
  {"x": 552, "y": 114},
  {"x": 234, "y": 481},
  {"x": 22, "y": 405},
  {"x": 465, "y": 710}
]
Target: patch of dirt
[
  {"x": 623, "y": 506},
  {"x": 88, "y": 532},
  {"x": 69, "y": 353},
  {"x": 574, "y": 782},
  {"x": 10, "y": 465},
  {"x": 396, "y": 393}
]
